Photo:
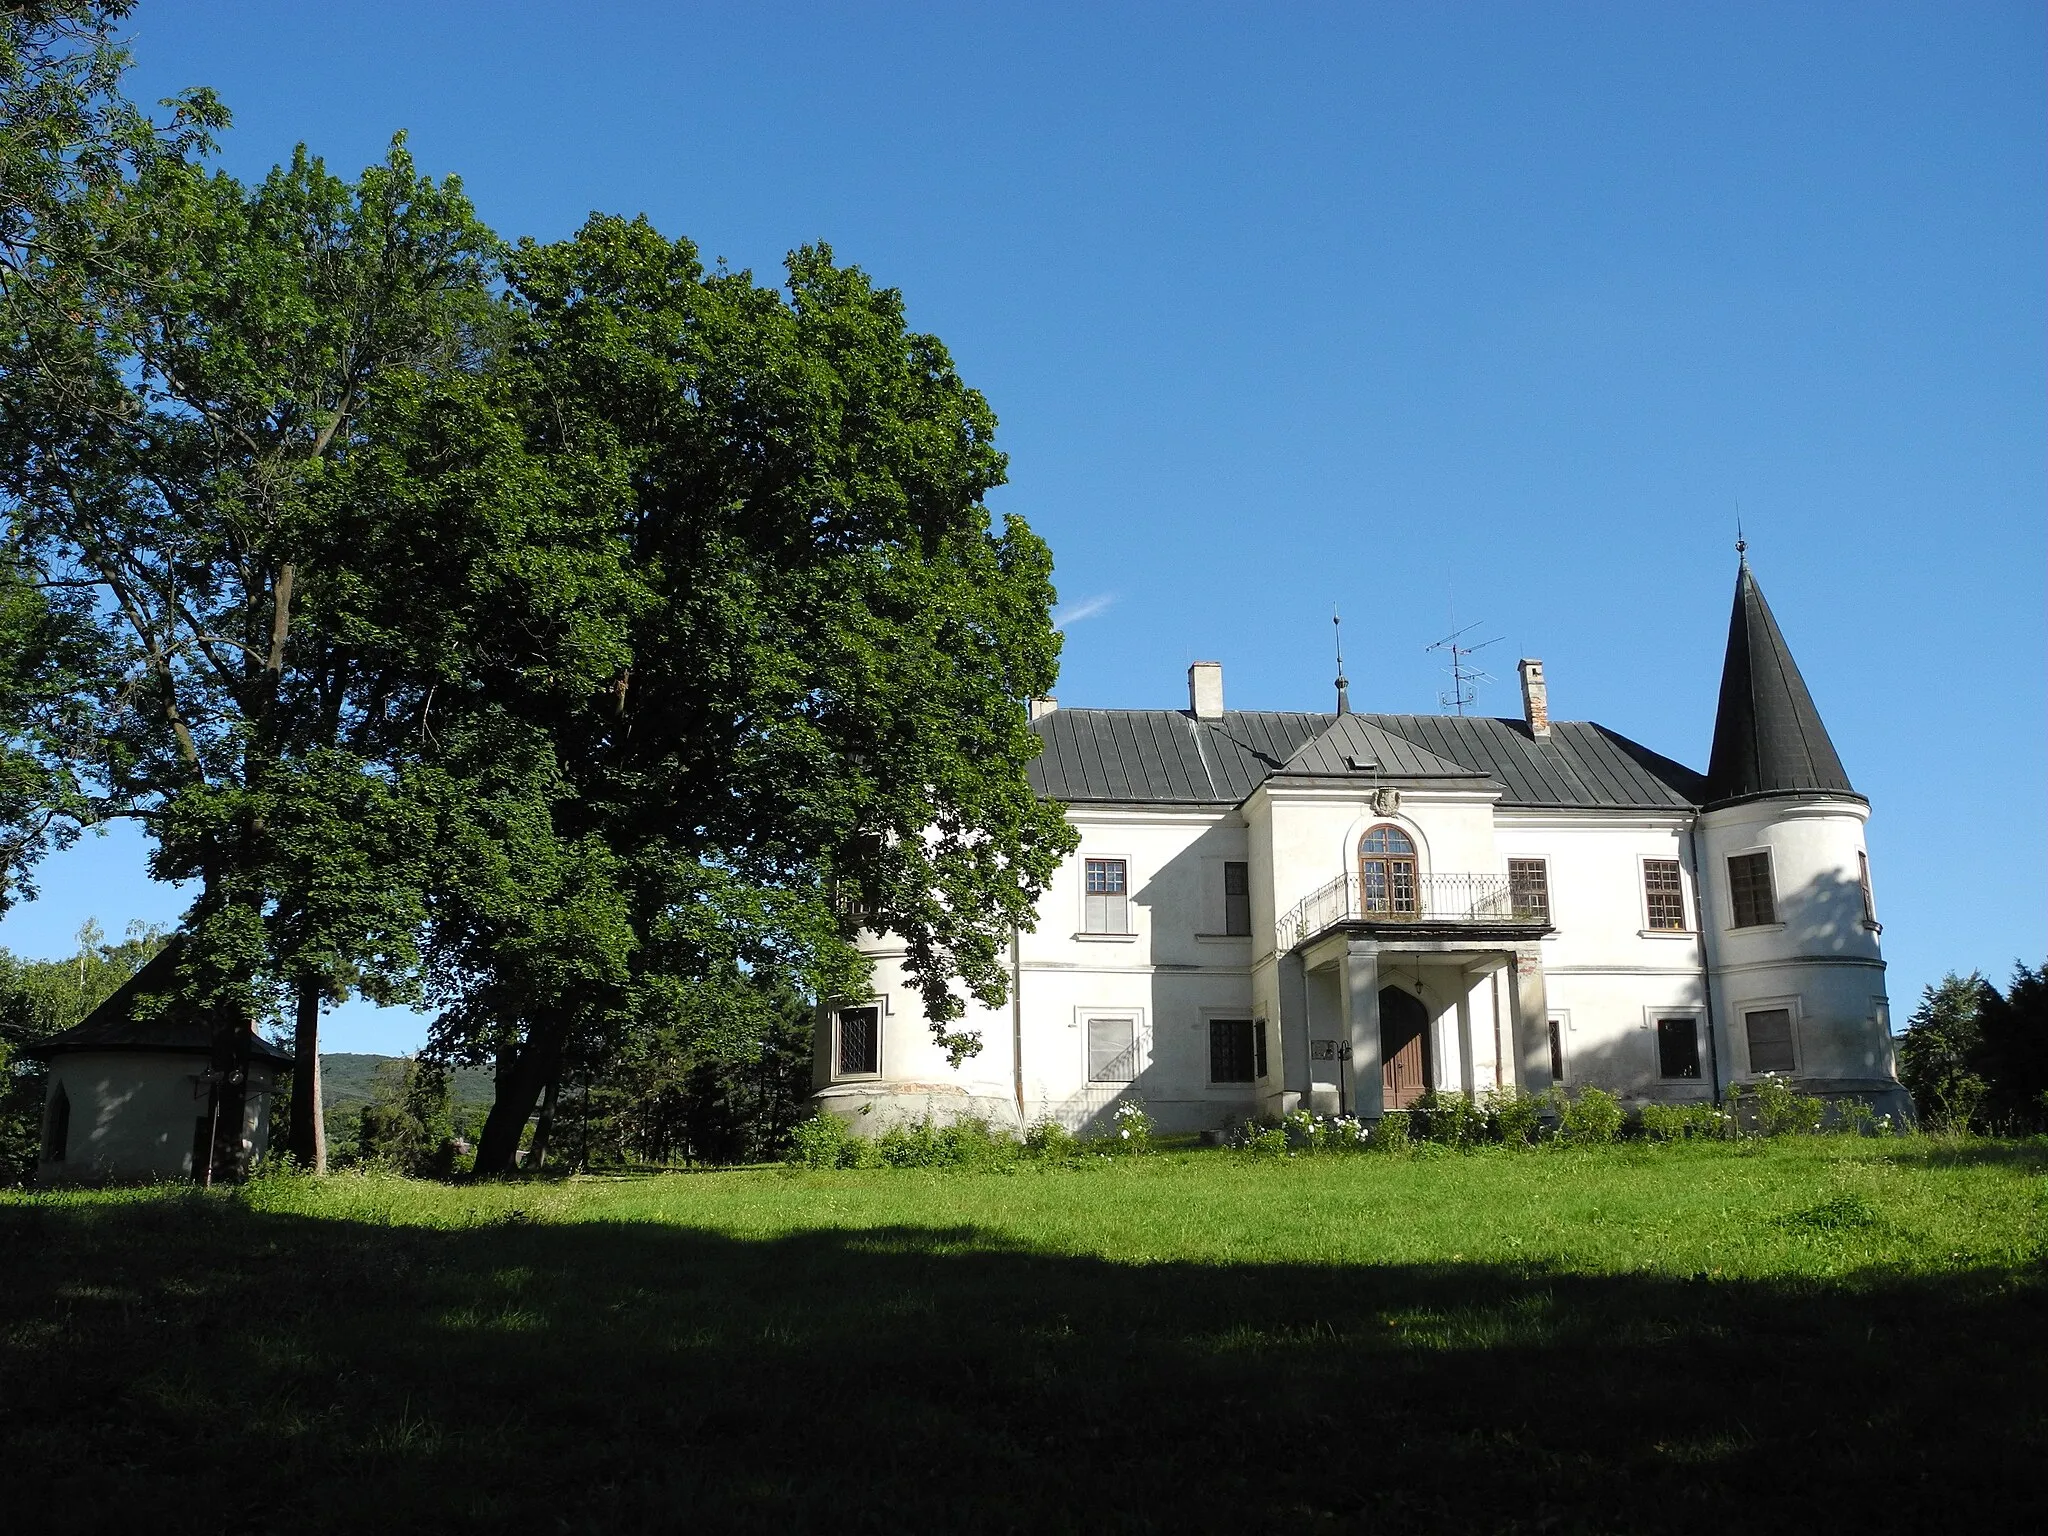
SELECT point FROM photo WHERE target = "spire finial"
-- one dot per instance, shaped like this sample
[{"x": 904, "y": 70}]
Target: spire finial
[
  {"x": 1343, "y": 682},
  {"x": 1741, "y": 544}
]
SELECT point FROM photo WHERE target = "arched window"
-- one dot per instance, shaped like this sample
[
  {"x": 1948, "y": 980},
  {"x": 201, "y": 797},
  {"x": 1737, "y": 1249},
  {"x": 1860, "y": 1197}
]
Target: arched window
[{"x": 1386, "y": 870}]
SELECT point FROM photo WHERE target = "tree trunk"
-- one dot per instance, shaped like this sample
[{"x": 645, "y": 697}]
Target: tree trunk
[
  {"x": 543, "y": 1133},
  {"x": 307, "y": 1138},
  {"x": 521, "y": 1080}
]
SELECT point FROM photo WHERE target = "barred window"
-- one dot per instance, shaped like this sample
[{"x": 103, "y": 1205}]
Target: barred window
[
  {"x": 1112, "y": 1050},
  {"x": 1678, "y": 1048},
  {"x": 1529, "y": 889},
  {"x": 1237, "y": 898},
  {"x": 1749, "y": 888},
  {"x": 860, "y": 1041},
  {"x": 1663, "y": 895},
  {"x": 1234, "y": 1050},
  {"x": 1108, "y": 904},
  {"x": 1770, "y": 1039}
]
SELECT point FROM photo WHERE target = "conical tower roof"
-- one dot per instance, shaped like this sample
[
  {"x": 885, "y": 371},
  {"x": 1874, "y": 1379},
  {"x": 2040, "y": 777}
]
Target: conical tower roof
[{"x": 1768, "y": 738}]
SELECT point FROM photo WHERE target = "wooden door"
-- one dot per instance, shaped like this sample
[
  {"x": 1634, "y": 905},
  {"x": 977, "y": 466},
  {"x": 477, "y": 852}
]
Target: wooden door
[{"x": 1405, "y": 1065}]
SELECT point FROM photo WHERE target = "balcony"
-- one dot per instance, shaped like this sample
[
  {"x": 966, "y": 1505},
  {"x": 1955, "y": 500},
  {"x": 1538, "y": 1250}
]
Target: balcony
[{"x": 1449, "y": 901}]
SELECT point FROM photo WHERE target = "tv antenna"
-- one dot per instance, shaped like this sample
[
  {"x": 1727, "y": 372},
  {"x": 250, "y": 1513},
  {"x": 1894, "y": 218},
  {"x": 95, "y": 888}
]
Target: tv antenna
[{"x": 1465, "y": 678}]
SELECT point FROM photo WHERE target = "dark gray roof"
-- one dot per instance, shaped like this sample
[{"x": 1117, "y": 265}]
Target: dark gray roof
[
  {"x": 1768, "y": 737},
  {"x": 166, "y": 1023},
  {"x": 1167, "y": 757}
]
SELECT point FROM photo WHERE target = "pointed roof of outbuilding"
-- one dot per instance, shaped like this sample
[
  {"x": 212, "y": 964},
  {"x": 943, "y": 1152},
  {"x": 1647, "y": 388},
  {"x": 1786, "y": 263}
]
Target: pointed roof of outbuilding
[
  {"x": 146, "y": 1014},
  {"x": 1768, "y": 737}
]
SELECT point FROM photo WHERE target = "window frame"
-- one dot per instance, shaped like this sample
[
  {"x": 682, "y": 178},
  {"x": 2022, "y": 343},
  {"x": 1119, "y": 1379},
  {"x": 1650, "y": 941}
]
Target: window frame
[
  {"x": 1140, "y": 1049},
  {"x": 1789, "y": 1006},
  {"x": 1130, "y": 927},
  {"x": 1253, "y": 1053},
  {"x": 1542, "y": 867},
  {"x": 1391, "y": 858},
  {"x": 1644, "y": 864},
  {"x": 1869, "y": 896},
  {"x": 879, "y": 1005},
  {"x": 1559, "y": 1025},
  {"x": 1772, "y": 919},
  {"x": 1657, "y": 1018},
  {"x": 1235, "y": 902}
]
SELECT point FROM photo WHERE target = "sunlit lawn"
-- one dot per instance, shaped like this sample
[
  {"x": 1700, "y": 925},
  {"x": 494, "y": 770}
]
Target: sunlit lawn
[{"x": 1821, "y": 1334}]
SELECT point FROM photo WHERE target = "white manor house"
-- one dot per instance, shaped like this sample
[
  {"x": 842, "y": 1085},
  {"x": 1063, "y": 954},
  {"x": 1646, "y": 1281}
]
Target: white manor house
[{"x": 1339, "y": 912}]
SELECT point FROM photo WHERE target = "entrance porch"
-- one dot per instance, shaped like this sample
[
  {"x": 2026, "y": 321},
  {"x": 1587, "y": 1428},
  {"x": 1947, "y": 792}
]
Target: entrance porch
[{"x": 1371, "y": 1021}]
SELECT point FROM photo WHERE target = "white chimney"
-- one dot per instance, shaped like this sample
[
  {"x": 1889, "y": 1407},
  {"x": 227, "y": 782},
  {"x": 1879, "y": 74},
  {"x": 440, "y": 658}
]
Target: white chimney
[
  {"x": 1535, "y": 697},
  {"x": 1041, "y": 706},
  {"x": 1205, "y": 690}
]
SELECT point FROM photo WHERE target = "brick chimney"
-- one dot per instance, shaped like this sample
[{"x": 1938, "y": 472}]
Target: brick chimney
[
  {"x": 1041, "y": 706},
  {"x": 1535, "y": 697},
  {"x": 1205, "y": 690}
]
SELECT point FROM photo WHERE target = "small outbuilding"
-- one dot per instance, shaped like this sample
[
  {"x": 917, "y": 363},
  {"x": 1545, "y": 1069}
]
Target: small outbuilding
[{"x": 149, "y": 1088}]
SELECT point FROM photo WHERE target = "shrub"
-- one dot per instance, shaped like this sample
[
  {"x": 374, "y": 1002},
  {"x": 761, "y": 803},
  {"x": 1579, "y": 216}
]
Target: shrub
[
  {"x": 965, "y": 1143},
  {"x": 1686, "y": 1122},
  {"x": 1392, "y": 1133},
  {"x": 1050, "y": 1141},
  {"x": 1449, "y": 1119},
  {"x": 1775, "y": 1109},
  {"x": 1271, "y": 1142},
  {"x": 1591, "y": 1118},
  {"x": 1325, "y": 1133},
  {"x": 1514, "y": 1116},
  {"x": 819, "y": 1142},
  {"x": 1852, "y": 1117},
  {"x": 1130, "y": 1129}
]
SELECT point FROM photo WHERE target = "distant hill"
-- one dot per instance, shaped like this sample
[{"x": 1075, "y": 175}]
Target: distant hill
[{"x": 348, "y": 1080}]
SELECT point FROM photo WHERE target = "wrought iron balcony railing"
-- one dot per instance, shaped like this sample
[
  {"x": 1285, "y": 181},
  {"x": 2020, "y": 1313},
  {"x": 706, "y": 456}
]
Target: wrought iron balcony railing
[{"x": 1448, "y": 898}]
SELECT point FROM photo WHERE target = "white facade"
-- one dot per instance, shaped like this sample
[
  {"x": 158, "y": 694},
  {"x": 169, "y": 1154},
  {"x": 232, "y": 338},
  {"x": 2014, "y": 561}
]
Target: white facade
[
  {"x": 133, "y": 1116},
  {"x": 1571, "y": 915}
]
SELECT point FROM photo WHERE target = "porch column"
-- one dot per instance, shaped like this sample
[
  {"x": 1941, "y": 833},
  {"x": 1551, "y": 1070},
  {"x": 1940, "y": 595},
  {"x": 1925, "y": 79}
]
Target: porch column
[
  {"x": 1360, "y": 980},
  {"x": 1468, "y": 1079},
  {"x": 1292, "y": 1027},
  {"x": 1529, "y": 1006}
]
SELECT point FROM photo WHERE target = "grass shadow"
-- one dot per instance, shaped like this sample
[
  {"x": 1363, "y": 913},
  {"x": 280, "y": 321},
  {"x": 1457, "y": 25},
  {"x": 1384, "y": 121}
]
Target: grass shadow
[{"x": 224, "y": 1369}]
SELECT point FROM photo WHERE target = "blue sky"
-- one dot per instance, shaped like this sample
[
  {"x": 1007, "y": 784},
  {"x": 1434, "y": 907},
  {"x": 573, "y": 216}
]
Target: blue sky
[{"x": 1500, "y": 307}]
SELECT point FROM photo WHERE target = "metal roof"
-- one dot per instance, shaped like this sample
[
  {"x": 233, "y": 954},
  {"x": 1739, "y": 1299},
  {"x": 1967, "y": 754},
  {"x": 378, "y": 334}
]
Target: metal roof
[
  {"x": 1768, "y": 737},
  {"x": 1167, "y": 757}
]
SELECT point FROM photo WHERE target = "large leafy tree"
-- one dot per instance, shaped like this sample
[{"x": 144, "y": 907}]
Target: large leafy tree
[
  {"x": 272, "y": 449},
  {"x": 820, "y": 716}
]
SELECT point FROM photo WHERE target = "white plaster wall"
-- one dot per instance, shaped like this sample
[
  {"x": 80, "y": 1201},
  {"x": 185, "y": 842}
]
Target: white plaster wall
[
  {"x": 1821, "y": 958},
  {"x": 133, "y": 1115},
  {"x": 1606, "y": 971},
  {"x": 1172, "y": 973}
]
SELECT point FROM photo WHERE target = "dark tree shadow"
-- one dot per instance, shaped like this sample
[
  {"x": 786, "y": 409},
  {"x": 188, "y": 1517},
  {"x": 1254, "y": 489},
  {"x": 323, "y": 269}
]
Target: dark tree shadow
[{"x": 197, "y": 1366}]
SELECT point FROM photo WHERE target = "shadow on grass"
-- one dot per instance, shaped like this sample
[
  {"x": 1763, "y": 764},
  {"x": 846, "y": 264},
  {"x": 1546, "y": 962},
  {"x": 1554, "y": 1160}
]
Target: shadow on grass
[{"x": 193, "y": 1365}]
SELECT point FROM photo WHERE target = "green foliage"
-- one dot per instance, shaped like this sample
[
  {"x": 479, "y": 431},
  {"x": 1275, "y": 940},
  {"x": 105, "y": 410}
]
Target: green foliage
[
  {"x": 1515, "y": 1117},
  {"x": 1936, "y": 1053},
  {"x": 1591, "y": 1117},
  {"x": 1394, "y": 1133},
  {"x": 1687, "y": 1122},
  {"x": 409, "y": 1122},
  {"x": 1449, "y": 1119},
  {"x": 2012, "y": 1052},
  {"x": 1772, "y": 1107},
  {"x": 1129, "y": 1133},
  {"x": 1049, "y": 1141}
]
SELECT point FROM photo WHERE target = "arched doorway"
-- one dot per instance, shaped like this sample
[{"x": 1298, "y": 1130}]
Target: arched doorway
[{"x": 1405, "y": 1064}]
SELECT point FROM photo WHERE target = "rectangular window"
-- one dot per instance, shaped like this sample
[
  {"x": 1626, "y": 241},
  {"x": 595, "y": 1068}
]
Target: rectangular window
[
  {"x": 1259, "y": 1046},
  {"x": 1749, "y": 888},
  {"x": 1678, "y": 1049},
  {"x": 1233, "y": 1051},
  {"x": 1557, "y": 1050},
  {"x": 1112, "y": 1050},
  {"x": 860, "y": 1041},
  {"x": 1529, "y": 890},
  {"x": 1663, "y": 895},
  {"x": 1237, "y": 898},
  {"x": 1863, "y": 879},
  {"x": 1108, "y": 908},
  {"x": 1770, "y": 1039}
]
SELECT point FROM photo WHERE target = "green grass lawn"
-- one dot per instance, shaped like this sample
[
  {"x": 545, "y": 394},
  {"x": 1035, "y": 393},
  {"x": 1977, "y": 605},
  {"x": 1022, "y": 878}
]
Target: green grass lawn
[{"x": 1815, "y": 1334}]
